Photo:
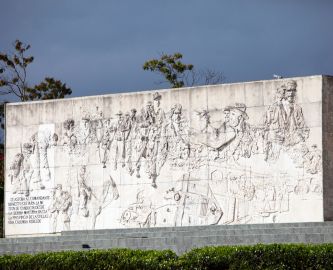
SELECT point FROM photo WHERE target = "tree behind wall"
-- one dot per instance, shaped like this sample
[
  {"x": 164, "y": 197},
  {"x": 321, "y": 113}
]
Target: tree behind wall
[
  {"x": 179, "y": 74},
  {"x": 13, "y": 78},
  {"x": 14, "y": 84}
]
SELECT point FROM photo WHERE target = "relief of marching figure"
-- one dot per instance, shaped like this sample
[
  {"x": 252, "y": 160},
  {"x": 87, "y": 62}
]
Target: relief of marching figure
[
  {"x": 69, "y": 137},
  {"x": 136, "y": 140},
  {"x": 151, "y": 143},
  {"x": 84, "y": 191}
]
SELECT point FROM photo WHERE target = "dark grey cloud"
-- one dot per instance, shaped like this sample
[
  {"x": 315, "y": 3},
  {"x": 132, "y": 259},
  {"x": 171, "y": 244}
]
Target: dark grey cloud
[{"x": 99, "y": 46}]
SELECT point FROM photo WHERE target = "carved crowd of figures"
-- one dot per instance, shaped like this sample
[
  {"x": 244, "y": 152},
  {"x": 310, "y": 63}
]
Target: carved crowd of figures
[
  {"x": 130, "y": 139},
  {"x": 30, "y": 168},
  {"x": 148, "y": 138},
  {"x": 284, "y": 129}
]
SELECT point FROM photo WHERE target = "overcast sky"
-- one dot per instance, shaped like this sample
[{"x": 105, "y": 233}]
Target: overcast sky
[{"x": 99, "y": 47}]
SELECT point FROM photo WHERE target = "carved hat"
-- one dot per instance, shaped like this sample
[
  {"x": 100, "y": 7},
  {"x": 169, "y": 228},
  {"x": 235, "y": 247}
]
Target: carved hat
[
  {"x": 241, "y": 107},
  {"x": 68, "y": 123},
  {"x": 86, "y": 116},
  {"x": 177, "y": 108},
  {"x": 157, "y": 96},
  {"x": 291, "y": 85},
  {"x": 227, "y": 109},
  {"x": 133, "y": 110},
  {"x": 119, "y": 113},
  {"x": 280, "y": 89},
  {"x": 27, "y": 146}
]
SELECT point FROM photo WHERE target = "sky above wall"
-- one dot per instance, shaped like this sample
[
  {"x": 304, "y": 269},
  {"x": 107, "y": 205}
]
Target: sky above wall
[{"x": 99, "y": 47}]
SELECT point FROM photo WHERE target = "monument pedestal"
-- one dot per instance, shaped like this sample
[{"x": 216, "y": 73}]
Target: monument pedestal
[{"x": 178, "y": 239}]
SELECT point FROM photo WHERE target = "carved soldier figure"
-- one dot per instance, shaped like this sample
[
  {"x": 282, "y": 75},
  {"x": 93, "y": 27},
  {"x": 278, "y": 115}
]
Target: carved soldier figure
[
  {"x": 85, "y": 131},
  {"x": 152, "y": 151},
  {"x": 157, "y": 143},
  {"x": 274, "y": 126},
  {"x": 176, "y": 119},
  {"x": 29, "y": 170},
  {"x": 119, "y": 138},
  {"x": 66, "y": 204},
  {"x": 127, "y": 143},
  {"x": 269, "y": 204},
  {"x": 56, "y": 206},
  {"x": 295, "y": 128},
  {"x": 159, "y": 113},
  {"x": 106, "y": 141},
  {"x": 243, "y": 144},
  {"x": 146, "y": 119},
  {"x": 141, "y": 213},
  {"x": 235, "y": 139},
  {"x": 62, "y": 201},
  {"x": 178, "y": 143},
  {"x": 69, "y": 137},
  {"x": 296, "y": 131},
  {"x": 84, "y": 191},
  {"x": 130, "y": 140},
  {"x": 98, "y": 126},
  {"x": 41, "y": 142},
  {"x": 16, "y": 174},
  {"x": 122, "y": 135},
  {"x": 216, "y": 133},
  {"x": 149, "y": 114},
  {"x": 284, "y": 123},
  {"x": 223, "y": 127},
  {"x": 312, "y": 160}
]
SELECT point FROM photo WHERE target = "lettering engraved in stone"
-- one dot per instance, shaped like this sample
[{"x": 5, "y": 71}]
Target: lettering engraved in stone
[{"x": 24, "y": 210}]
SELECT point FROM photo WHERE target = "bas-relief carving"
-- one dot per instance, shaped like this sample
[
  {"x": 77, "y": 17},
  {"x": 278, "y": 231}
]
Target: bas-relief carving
[
  {"x": 61, "y": 202},
  {"x": 225, "y": 172},
  {"x": 30, "y": 168}
]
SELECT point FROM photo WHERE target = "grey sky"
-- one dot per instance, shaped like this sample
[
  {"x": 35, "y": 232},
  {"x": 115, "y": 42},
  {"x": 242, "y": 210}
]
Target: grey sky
[{"x": 99, "y": 47}]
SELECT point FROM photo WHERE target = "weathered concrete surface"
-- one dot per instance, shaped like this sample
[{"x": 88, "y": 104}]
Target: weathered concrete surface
[
  {"x": 225, "y": 154},
  {"x": 327, "y": 112}
]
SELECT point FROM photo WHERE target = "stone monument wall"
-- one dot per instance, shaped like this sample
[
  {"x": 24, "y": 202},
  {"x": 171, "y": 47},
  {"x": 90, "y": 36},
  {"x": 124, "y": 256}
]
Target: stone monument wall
[{"x": 224, "y": 154}]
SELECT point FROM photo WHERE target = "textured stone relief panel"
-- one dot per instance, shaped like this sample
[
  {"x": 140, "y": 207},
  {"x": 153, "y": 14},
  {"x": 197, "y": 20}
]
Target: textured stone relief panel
[{"x": 228, "y": 154}]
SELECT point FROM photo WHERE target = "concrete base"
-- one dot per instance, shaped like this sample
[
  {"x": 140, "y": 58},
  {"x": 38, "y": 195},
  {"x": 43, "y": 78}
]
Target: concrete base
[{"x": 178, "y": 239}]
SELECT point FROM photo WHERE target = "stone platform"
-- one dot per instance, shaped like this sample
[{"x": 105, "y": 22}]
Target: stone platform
[{"x": 179, "y": 239}]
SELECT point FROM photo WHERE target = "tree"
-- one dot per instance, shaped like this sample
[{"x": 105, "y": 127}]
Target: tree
[
  {"x": 13, "y": 77},
  {"x": 178, "y": 74},
  {"x": 48, "y": 89}
]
